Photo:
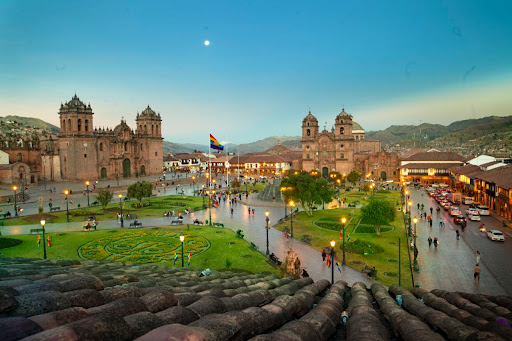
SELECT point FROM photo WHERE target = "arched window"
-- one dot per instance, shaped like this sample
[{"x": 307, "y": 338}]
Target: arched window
[
  {"x": 141, "y": 147},
  {"x": 126, "y": 146},
  {"x": 152, "y": 130},
  {"x": 342, "y": 131},
  {"x": 140, "y": 128},
  {"x": 308, "y": 132},
  {"x": 69, "y": 124},
  {"x": 145, "y": 129},
  {"x": 63, "y": 125},
  {"x": 308, "y": 124},
  {"x": 86, "y": 126},
  {"x": 101, "y": 147},
  {"x": 342, "y": 156},
  {"x": 79, "y": 124},
  {"x": 20, "y": 157},
  {"x": 307, "y": 156}
]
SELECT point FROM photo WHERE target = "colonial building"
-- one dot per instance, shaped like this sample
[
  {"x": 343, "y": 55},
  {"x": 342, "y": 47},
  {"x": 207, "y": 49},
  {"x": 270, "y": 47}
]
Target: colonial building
[
  {"x": 344, "y": 149},
  {"x": 97, "y": 153},
  {"x": 429, "y": 167}
]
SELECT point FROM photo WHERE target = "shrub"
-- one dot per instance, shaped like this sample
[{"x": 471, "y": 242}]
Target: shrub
[
  {"x": 9, "y": 242},
  {"x": 331, "y": 225},
  {"x": 362, "y": 247},
  {"x": 228, "y": 263}
]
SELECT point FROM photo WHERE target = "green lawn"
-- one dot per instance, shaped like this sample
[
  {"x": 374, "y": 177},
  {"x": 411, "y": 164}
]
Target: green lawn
[
  {"x": 211, "y": 247},
  {"x": 158, "y": 206},
  {"x": 322, "y": 227}
]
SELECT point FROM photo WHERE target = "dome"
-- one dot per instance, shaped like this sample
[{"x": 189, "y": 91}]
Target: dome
[
  {"x": 310, "y": 118},
  {"x": 344, "y": 114},
  {"x": 148, "y": 112},
  {"x": 75, "y": 105},
  {"x": 121, "y": 127},
  {"x": 356, "y": 126}
]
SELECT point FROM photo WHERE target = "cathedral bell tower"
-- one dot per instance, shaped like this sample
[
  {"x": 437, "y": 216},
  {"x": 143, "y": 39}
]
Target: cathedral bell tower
[
  {"x": 149, "y": 123},
  {"x": 75, "y": 118},
  {"x": 343, "y": 126},
  {"x": 309, "y": 128}
]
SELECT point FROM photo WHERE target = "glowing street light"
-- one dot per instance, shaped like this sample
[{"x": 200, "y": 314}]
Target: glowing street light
[
  {"x": 343, "y": 221},
  {"x": 43, "y": 222},
  {"x": 14, "y": 188},
  {"x": 333, "y": 243},
  {"x": 66, "y": 192},
  {"x": 292, "y": 205},
  {"x": 182, "y": 240},
  {"x": 267, "y": 219},
  {"x": 87, "y": 185}
]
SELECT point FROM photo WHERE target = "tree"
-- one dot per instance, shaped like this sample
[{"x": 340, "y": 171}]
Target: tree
[
  {"x": 353, "y": 176},
  {"x": 140, "y": 190},
  {"x": 104, "y": 196},
  {"x": 235, "y": 184},
  {"x": 307, "y": 191},
  {"x": 378, "y": 212}
]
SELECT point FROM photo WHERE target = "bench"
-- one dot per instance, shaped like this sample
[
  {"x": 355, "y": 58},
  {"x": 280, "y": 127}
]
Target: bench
[
  {"x": 240, "y": 234},
  {"x": 95, "y": 203},
  {"x": 253, "y": 246},
  {"x": 218, "y": 224},
  {"x": 370, "y": 272},
  {"x": 5, "y": 215},
  {"x": 88, "y": 228},
  {"x": 130, "y": 216},
  {"x": 177, "y": 222},
  {"x": 55, "y": 208},
  {"x": 36, "y": 231},
  {"x": 136, "y": 224},
  {"x": 198, "y": 222},
  {"x": 351, "y": 205}
]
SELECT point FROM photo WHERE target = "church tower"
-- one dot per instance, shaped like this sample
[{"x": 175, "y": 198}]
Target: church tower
[
  {"x": 149, "y": 123},
  {"x": 309, "y": 128},
  {"x": 75, "y": 118},
  {"x": 343, "y": 126}
]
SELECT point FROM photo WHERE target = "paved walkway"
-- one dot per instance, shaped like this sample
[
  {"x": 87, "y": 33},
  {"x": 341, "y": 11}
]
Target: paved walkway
[{"x": 451, "y": 265}]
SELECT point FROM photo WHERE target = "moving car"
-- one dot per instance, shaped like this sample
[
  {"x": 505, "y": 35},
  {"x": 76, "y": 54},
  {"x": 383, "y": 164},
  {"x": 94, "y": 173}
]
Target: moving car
[
  {"x": 474, "y": 217},
  {"x": 467, "y": 200},
  {"x": 459, "y": 219},
  {"x": 446, "y": 205},
  {"x": 483, "y": 210},
  {"x": 454, "y": 210},
  {"x": 496, "y": 235},
  {"x": 471, "y": 211}
]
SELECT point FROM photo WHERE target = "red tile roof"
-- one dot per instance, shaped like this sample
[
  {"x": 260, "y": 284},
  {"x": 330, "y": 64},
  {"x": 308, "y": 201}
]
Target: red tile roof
[{"x": 435, "y": 156}]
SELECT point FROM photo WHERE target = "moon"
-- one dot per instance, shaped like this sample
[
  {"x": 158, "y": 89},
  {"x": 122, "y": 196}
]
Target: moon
[{"x": 206, "y": 42}]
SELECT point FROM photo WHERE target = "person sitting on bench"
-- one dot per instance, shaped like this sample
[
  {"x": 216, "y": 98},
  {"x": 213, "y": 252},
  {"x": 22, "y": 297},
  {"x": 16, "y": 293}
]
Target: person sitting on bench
[
  {"x": 196, "y": 221},
  {"x": 135, "y": 222}
]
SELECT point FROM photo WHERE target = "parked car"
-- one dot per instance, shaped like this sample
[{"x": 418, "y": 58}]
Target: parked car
[
  {"x": 474, "y": 217},
  {"x": 446, "y": 205},
  {"x": 454, "y": 210},
  {"x": 471, "y": 211},
  {"x": 467, "y": 200},
  {"x": 483, "y": 210},
  {"x": 459, "y": 219},
  {"x": 496, "y": 235}
]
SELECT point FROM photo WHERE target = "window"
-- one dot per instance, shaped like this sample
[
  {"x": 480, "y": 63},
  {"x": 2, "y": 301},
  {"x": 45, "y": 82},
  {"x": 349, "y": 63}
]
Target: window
[
  {"x": 156, "y": 153},
  {"x": 86, "y": 127},
  {"x": 126, "y": 146},
  {"x": 325, "y": 153},
  {"x": 79, "y": 124},
  {"x": 69, "y": 124},
  {"x": 152, "y": 130},
  {"x": 308, "y": 124},
  {"x": 63, "y": 125},
  {"x": 140, "y": 129},
  {"x": 141, "y": 146},
  {"x": 342, "y": 156},
  {"x": 101, "y": 147},
  {"x": 20, "y": 157},
  {"x": 342, "y": 131},
  {"x": 307, "y": 147},
  {"x": 341, "y": 146},
  {"x": 308, "y": 132},
  {"x": 145, "y": 129},
  {"x": 307, "y": 156},
  {"x": 85, "y": 156}
]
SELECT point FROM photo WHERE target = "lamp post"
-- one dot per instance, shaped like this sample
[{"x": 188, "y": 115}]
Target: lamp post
[
  {"x": 202, "y": 194},
  {"x": 43, "y": 222},
  {"x": 284, "y": 200},
  {"x": 343, "y": 221},
  {"x": 194, "y": 185},
  {"x": 44, "y": 173},
  {"x": 87, "y": 185},
  {"x": 267, "y": 219},
  {"x": 121, "y": 206},
  {"x": 372, "y": 186},
  {"x": 409, "y": 204},
  {"x": 338, "y": 181},
  {"x": 182, "y": 240},
  {"x": 66, "y": 192},
  {"x": 292, "y": 204},
  {"x": 333, "y": 243},
  {"x": 210, "y": 193},
  {"x": 245, "y": 177},
  {"x": 14, "y": 188},
  {"x": 415, "y": 263}
]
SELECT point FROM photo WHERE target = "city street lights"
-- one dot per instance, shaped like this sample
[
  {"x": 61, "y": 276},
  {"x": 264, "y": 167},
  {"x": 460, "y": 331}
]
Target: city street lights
[
  {"x": 333, "y": 243},
  {"x": 87, "y": 184},
  {"x": 372, "y": 186},
  {"x": 194, "y": 185},
  {"x": 182, "y": 240},
  {"x": 415, "y": 263},
  {"x": 292, "y": 204},
  {"x": 267, "y": 219},
  {"x": 14, "y": 188},
  {"x": 121, "y": 206},
  {"x": 409, "y": 203},
  {"x": 202, "y": 194},
  {"x": 245, "y": 177},
  {"x": 343, "y": 221},
  {"x": 210, "y": 193},
  {"x": 66, "y": 192},
  {"x": 43, "y": 222},
  {"x": 338, "y": 181}
]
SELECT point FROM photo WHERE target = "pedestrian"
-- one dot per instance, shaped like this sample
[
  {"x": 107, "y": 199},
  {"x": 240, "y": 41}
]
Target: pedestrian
[
  {"x": 431, "y": 210},
  {"x": 478, "y": 257},
  {"x": 457, "y": 233},
  {"x": 231, "y": 210},
  {"x": 436, "y": 242},
  {"x": 418, "y": 206},
  {"x": 249, "y": 210},
  {"x": 440, "y": 223},
  {"x": 324, "y": 254},
  {"x": 476, "y": 274},
  {"x": 297, "y": 266},
  {"x": 429, "y": 241},
  {"x": 253, "y": 211}
]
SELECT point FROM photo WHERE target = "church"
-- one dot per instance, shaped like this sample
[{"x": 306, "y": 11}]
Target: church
[
  {"x": 344, "y": 149},
  {"x": 87, "y": 153}
]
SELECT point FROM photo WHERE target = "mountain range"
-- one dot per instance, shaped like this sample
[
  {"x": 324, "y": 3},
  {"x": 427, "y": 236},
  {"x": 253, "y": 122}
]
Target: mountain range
[{"x": 31, "y": 122}]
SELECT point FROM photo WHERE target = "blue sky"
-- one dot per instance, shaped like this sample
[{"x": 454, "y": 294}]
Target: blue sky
[{"x": 398, "y": 62}]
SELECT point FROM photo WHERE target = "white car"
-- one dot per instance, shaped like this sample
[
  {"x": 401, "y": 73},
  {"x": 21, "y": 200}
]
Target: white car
[
  {"x": 483, "y": 210},
  {"x": 474, "y": 217},
  {"x": 496, "y": 235},
  {"x": 471, "y": 211},
  {"x": 454, "y": 210}
]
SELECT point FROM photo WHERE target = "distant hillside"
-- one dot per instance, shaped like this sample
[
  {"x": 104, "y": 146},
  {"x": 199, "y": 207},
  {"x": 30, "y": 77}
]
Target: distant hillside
[
  {"x": 262, "y": 145},
  {"x": 31, "y": 122}
]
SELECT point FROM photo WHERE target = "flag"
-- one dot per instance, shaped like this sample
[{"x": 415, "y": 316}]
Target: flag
[
  {"x": 214, "y": 144},
  {"x": 328, "y": 261},
  {"x": 338, "y": 265},
  {"x": 341, "y": 235},
  {"x": 175, "y": 258},
  {"x": 348, "y": 236},
  {"x": 189, "y": 257},
  {"x": 48, "y": 239},
  {"x": 38, "y": 240}
]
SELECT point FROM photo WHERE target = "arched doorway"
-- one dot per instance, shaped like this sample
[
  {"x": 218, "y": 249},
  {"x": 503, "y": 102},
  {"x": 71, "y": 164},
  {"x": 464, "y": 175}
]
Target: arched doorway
[
  {"x": 142, "y": 170},
  {"x": 383, "y": 175},
  {"x": 103, "y": 173},
  {"x": 325, "y": 172},
  {"x": 126, "y": 168}
]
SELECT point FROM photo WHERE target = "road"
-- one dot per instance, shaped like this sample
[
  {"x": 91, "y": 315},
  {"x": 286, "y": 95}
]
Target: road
[{"x": 451, "y": 265}]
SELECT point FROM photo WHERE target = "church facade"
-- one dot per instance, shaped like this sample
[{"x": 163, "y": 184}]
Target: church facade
[
  {"x": 91, "y": 153},
  {"x": 344, "y": 149}
]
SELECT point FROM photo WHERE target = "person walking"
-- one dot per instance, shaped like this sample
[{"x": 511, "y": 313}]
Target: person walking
[
  {"x": 436, "y": 242},
  {"x": 457, "y": 233},
  {"x": 429, "y": 241},
  {"x": 476, "y": 273},
  {"x": 438, "y": 210},
  {"x": 431, "y": 210},
  {"x": 478, "y": 257},
  {"x": 324, "y": 254},
  {"x": 297, "y": 266}
]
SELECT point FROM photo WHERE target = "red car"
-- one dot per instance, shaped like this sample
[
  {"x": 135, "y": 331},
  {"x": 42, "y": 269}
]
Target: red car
[{"x": 459, "y": 219}]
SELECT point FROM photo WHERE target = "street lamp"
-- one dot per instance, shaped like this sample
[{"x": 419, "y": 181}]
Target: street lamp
[
  {"x": 121, "y": 206},
  {"x": 66, "y": 192},
  {"x": 409, "y": 204},
  {"x": 14, "y": 188},
  {"x": 43, "y": 222},
  {"x": 87, "y": 184},
  {"x": 333, "y": 243},
  {"x": 245, "y": 183},
  {"x": 338, "y": 181},
  {"x": 415, "y": 220},
  {"x": 267, "y": 219},
  {"x": 292, "y": 204},
  {"x": 343, "y": 221},
  {"x": 209, "y": 193},
  {"x": 194, "y": 185},
  {"x": 182, "y": 240},
  {"x": 202, "y": 194},
  {"x": 372, "y": 186}
]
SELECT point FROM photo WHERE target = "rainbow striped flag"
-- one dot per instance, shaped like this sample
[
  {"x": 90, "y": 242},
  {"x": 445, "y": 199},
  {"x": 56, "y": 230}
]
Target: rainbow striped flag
[
  {"x": 175, "y": 258},
  {"x": 348, "y": 236},
  {"x": 189, "y": 258},
  {"x": 38, "y": 240},
  {"x": 214, "y": 144},
  {"x": 328, "y": 261},
  {"x": 48, "y": 239},
  {"x": 338, "y": 265}
]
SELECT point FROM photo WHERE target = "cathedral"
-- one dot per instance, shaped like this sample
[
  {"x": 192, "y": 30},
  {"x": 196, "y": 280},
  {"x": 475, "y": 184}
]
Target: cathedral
[
  {"x": 344, "y": 149},
  {"x": 87, "y": 153}
]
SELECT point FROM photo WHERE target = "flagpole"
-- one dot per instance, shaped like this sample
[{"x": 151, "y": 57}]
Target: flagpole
[
  {"x": 225, "y": 164},
  {"x": 209, "y": 165}
]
